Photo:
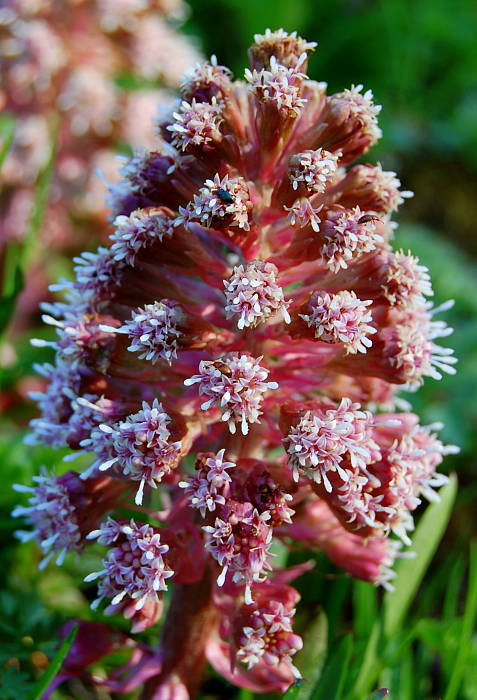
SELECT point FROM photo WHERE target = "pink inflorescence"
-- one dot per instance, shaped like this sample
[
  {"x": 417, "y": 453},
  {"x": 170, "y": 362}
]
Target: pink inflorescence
[
  {"x": 341, "y": 318},
  {"x": 134, "y": 569},
  {"x": 52, "y": 516},
  {"x": 267, "y": 636},
  {"x": 250, "y": 318}
]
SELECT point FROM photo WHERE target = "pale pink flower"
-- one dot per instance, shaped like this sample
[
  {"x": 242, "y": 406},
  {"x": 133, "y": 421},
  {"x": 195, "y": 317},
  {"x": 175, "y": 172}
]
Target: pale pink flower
[{"x": 134, "y": 569}]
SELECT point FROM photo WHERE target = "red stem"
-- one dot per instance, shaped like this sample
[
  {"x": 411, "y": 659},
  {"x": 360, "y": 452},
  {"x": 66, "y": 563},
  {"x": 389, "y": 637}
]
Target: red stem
[{"x": 190, "y": 621}]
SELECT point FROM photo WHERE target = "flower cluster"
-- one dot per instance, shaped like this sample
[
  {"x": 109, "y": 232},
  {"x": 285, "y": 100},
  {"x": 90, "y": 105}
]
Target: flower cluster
[
  {"x": 210, "y": 485},
  {"x": 253, "y": 293},
  {"x": 63, "y": 510},
  {"x": 264, "y": 631},
  {"x": 235, "y": 384},
  {"x": 135, "y": 571},
  {"x": 250, "y": 283}
]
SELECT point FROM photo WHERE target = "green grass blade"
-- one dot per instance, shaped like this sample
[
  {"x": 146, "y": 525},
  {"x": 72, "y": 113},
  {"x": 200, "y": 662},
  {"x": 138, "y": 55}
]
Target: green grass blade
[
  {"x": 7, "y": 132},
  {"x": 411, "y": 571},
  {"x": 453, "y": 589},
  {"x": 468, "y": 624},
  {"x": 331, "y": 683},
  {"x": 409, "y": 575},
  {"x": 407, "y": 680},
  {"x": 37, "y": 213},
  {"x": 13, "y": 285},
  {"x": 294, "y": 689},
  {"x": 55, "y": 665},
  {"x": 311, "y": 658},
  {"x": 370, "y": 665},
  {"x": 364, "y": 608}
]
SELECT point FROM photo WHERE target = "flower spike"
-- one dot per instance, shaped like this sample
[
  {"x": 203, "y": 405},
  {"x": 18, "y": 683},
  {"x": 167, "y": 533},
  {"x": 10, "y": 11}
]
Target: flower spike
[{"x": 229, "y": 367}]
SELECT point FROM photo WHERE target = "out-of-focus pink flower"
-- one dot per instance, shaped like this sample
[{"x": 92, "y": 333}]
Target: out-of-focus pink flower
[
  {"x": 60, "y": 65},
  {"x": 158, "y": 52},
  {"x": 62, "y": 511},
  {"x": 29, "y": 152},
  {"x": 138, "y": 123}
]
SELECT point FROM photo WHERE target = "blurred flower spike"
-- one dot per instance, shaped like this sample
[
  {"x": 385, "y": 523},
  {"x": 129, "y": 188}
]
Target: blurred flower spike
[
  {"x": 261, "y": 328},
  {"x": 67, "y": 71}
]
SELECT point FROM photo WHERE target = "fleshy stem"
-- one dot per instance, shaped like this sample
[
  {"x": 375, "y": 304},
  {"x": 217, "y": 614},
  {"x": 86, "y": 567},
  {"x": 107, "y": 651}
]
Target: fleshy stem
[{"x": 190, "y": 620}]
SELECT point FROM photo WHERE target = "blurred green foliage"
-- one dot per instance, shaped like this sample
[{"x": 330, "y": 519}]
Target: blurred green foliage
[
  {"x": 452, "y": 400},
  {"x": 419, "y": 58}
]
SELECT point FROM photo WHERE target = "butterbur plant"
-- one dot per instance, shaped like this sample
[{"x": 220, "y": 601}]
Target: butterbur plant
[{"x": 232, "y": 364}]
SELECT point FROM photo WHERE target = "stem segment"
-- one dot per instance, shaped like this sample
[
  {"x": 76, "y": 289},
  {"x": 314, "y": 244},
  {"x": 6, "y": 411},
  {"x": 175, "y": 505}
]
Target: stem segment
[{"x": 190, "y": 621}]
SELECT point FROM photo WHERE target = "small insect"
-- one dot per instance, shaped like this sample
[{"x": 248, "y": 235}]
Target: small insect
[
  {"x": 368, "y": 217},
  {"x": 223, "y": 368},
  {"x": 224, "y": 196}
]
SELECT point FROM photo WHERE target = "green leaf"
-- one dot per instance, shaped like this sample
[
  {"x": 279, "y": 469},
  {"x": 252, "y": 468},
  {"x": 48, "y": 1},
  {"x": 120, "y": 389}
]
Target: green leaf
[
  {"x": 13, "y": 280},
  {"x": 7, "y": 132},
  {"x": 55, "y": 665},
  {"x": 18, "y": 256},
  {"x": 294, "y": 689},
  {"x": 410, "y": 572},
  {"x": 470, "y": 614},
  {"x": 370, "y": 664},
  {"x": 13, "y": 683},
  {"x": 364, "y": 607},
  {"x": 331, "y": 683},
  {"x": 409, "y": 575},
  {"x": 245, "y": 694},
  {"x": 311, "y": 658},
  {"x": 37, "y": 213}
]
